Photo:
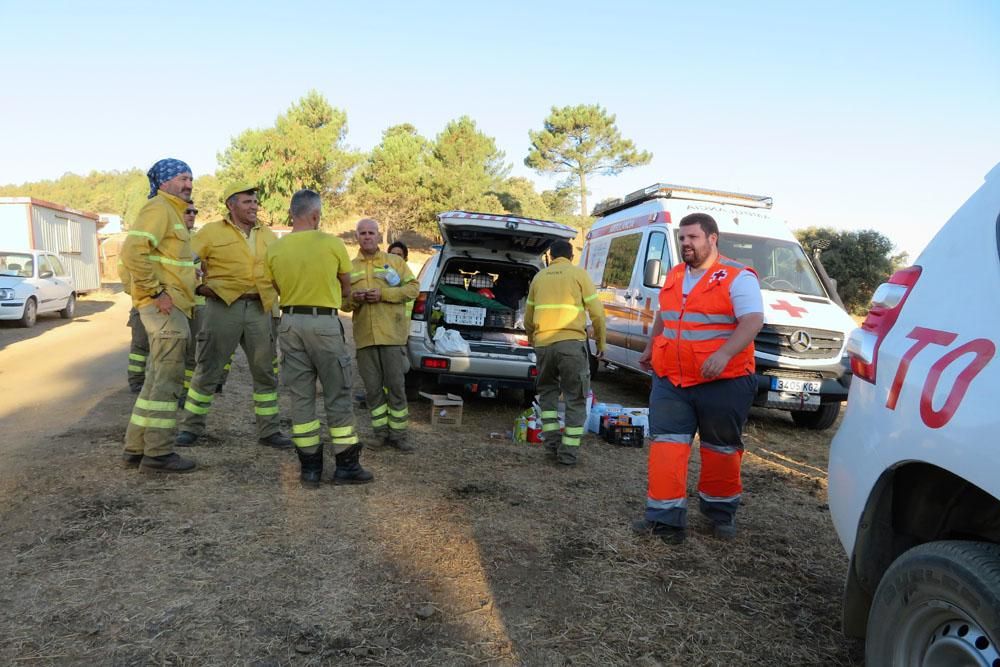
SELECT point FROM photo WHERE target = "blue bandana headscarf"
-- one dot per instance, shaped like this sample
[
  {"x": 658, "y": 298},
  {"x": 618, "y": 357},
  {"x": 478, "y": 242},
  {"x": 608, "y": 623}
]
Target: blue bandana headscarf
[{"x": 163, "y": 171}]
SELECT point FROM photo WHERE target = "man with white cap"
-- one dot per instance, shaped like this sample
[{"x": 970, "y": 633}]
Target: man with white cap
[{"x": 238, "y": 306}]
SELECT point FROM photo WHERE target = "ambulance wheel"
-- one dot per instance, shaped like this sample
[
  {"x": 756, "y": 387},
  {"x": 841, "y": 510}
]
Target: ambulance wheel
[
  {"x": 938, "y": 604},
  {"x": 820, "y": 419},
  {"x": 595, "y": 365}
]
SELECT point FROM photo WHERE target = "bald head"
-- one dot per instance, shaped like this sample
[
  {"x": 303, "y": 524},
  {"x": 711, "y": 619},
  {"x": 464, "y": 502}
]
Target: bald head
[{"x": 368, "y": 235}]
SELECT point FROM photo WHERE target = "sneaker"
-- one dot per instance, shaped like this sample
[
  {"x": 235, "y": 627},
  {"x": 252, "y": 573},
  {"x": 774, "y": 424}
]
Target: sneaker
[
  {"x": 185, "y": 439},
  {"x": 172, "y": 462},
  {"x": 130, "y": 460},
  {"x": 669, "y": 534},
  {"x": 724, "y": 531},
  {"x": 277, "y": 440}
]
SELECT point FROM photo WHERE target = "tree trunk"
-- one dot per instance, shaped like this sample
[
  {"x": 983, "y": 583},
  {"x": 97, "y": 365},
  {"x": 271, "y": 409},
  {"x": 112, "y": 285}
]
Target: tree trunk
[{"x": 583, "y": 193}]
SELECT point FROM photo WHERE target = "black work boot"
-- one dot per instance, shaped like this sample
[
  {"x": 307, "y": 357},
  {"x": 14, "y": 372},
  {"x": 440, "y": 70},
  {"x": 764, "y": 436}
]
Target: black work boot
[
  {"x": 669, "y": 534},
  {"x": 130, "y": 460},
  {"x": 312, "y": 467},
  {"x": 172, "y": 462},
  {"x": 349, "y": 470}
]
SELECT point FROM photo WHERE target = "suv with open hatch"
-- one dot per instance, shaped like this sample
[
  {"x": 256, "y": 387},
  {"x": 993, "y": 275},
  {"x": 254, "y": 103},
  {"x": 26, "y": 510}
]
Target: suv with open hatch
[
  {"x": 475, "y": 289},
  {"x": 915, "y": 468}
]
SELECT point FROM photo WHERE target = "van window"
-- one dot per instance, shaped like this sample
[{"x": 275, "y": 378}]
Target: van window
[
  {"x": 621, "y": 260},
  {"x": 656, "y": 248},
  {"x": 781, "y": 266}
]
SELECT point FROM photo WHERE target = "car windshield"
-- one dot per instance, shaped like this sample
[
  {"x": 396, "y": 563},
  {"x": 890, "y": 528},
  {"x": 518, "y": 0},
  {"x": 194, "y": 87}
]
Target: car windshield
[
  {"x": 781, "y": 266},
  {"x": 16, "y": 264}
]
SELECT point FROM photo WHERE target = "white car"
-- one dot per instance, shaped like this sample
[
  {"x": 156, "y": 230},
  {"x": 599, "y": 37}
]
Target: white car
[
  {"x": 915, "y": 467},
  {"x": 34, "y": 282},
  {"x": 476, "y": 286}
]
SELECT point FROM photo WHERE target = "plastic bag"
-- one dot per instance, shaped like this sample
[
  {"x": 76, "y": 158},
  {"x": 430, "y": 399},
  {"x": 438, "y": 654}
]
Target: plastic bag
[{"x": 449, "y": 341}]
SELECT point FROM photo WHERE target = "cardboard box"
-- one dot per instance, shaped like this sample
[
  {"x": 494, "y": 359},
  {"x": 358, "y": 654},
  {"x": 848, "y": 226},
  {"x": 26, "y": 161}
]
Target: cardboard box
[{"x": 446, "y": 409}]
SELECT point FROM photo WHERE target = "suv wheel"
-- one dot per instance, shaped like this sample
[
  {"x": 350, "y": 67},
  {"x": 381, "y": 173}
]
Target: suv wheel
[
  {"x": 820, "y": 419},
  {"x": 938, "y": 604},
  {"x": 30, "y": 313},
  {"x": 415, "y": 382},
  {"x": 67, "y": 312}
]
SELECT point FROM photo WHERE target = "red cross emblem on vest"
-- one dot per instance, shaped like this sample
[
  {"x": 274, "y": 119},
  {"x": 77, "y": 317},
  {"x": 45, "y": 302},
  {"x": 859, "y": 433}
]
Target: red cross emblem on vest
[
  {"x": 794, "y": 311},
  {"x": 718, "y": 276}
]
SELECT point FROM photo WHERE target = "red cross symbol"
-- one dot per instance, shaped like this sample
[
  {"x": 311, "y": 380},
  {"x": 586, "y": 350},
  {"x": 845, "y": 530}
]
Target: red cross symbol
[{"x": 794, "y": 311}]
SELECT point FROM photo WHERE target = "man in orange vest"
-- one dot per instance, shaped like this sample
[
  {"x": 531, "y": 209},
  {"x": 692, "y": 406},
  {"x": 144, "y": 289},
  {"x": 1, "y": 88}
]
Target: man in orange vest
[{"x": 702, "y": 357}]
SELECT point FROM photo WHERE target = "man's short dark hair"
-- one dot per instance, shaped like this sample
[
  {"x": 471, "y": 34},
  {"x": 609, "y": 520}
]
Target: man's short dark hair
[
  {"x": 561, "y": 249},
  {"x": 704, "y": 220}
]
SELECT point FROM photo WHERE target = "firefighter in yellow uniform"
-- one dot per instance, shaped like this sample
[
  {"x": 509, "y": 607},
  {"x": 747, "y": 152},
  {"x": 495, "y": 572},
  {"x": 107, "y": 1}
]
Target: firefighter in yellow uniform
[
  {"x": 311, "y": 271},
  {"x": 238, "y": 304},
  {"x": 381, "y": 284},
  {"x": 139, "y": 347},
  {"x": 555, "y": 319},
  {"x": 157, "y": 256}
]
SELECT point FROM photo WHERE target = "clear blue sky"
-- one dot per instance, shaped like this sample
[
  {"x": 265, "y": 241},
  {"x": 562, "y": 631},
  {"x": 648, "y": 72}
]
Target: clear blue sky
[{"x": 850, "y": 114}]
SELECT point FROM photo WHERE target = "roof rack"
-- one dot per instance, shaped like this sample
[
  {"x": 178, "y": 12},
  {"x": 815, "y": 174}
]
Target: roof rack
[{"x": 664, "y": 190}]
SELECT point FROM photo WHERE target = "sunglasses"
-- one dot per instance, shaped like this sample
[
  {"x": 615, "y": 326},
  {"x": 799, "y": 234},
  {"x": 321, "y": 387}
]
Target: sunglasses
[{"x": 192, "y": 211}]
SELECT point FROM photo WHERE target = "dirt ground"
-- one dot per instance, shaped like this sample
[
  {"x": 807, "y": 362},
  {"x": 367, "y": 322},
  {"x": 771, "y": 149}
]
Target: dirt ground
[{"x": 472, "y": 551}]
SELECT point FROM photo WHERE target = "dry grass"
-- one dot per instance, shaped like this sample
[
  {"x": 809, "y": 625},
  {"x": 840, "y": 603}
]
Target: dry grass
[{"x": 472, "y": 551}]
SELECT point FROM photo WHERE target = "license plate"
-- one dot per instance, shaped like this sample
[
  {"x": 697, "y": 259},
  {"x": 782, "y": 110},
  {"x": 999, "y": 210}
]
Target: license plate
[{"x": 787, "y": 384}]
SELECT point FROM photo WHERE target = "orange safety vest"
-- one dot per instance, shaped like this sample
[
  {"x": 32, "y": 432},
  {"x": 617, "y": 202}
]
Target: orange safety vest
[{"x": 696, "y": 329}]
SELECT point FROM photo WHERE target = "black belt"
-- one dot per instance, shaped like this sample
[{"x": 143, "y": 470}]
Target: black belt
[{"x": 308, "y": 310}]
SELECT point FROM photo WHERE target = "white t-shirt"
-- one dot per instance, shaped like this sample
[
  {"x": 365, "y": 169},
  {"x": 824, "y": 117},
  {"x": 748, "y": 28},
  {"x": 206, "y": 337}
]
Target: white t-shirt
[{"x": 744, "y": 291}]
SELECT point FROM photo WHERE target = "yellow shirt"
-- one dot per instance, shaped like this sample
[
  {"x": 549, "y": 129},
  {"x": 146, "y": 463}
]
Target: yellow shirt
[
  {"x": 384, "y": 322},
  {"x": 558, "y": 296},
  {"x": 305, "y": 266},
  {"x": 157, "y": 254},
  {"x": 231, "y": 267}
]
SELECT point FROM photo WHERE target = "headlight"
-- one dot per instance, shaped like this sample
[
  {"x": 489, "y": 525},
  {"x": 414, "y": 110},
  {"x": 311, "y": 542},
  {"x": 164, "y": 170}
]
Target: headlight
[{"x": 6, "y": 293}]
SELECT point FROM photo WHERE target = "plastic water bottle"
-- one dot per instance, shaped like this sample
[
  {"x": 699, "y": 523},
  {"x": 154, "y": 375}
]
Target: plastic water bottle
[{"x": 391, "y": 276}]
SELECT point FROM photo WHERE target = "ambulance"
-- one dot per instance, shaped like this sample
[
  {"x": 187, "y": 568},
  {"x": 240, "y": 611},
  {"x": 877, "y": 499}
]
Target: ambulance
[
  {"x": 800, "y": 352},
  {"x": 914, "y": 467}
]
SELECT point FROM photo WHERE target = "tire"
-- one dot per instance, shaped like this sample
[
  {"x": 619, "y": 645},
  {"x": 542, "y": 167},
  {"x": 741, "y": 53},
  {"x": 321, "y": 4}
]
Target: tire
[
  {"x": 938, "y": 604},
  {"x": 818, "y": 421},
  {"x": 595, "y": 365},
  {"x": 70, "y": 309},
  {"x": 30, "y": 315},
  {"x": 415, "y": 381},
  {"x": 528, "y": 397}
]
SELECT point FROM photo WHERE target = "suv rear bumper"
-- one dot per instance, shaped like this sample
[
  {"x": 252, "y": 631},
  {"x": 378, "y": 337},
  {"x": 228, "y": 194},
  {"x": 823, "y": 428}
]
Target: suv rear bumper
[{"x": 505, "y": 371}]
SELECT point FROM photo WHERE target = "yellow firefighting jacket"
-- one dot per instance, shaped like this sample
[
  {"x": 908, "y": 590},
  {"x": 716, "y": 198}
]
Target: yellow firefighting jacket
[
  {"x": 385, "y": 322},
  {"x": 559, "y": 296},
  {"x": 233, "y": 264},
  {"x": 157, "y": 254}
]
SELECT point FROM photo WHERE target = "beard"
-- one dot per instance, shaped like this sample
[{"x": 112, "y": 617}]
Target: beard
[{"x": 693, "y": 257}]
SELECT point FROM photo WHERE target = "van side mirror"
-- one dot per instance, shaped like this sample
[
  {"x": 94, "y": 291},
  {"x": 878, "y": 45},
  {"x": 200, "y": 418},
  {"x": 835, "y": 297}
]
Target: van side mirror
[
  {"x": 651, "y": 274},
  {"x": 45, "y": 274}
]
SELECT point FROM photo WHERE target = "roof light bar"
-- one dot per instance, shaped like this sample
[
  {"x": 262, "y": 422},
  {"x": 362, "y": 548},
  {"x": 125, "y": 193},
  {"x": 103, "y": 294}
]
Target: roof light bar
[{"x": 665, "y": 190}]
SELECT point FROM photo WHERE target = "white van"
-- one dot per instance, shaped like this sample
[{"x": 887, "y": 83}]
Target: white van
[{"x": 801, "y": 362}]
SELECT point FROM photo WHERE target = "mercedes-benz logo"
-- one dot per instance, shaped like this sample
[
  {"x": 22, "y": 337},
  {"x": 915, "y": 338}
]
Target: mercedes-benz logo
[{"x": 800, "y": 341}]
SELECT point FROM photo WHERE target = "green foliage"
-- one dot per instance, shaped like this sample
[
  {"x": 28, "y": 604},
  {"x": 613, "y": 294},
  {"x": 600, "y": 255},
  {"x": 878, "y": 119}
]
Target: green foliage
[
  {"x": 517, "y": 196},
  {"x": 466, "y": 168},
  {"x": 858, "y": 260},
  {"x": 304, "y": 149},
  {"x": 207, "y": 196},
  {"x": 393, "y": 184},
  {"x": 118, "y": 192},
  {"x": 582, "y": 140}
]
